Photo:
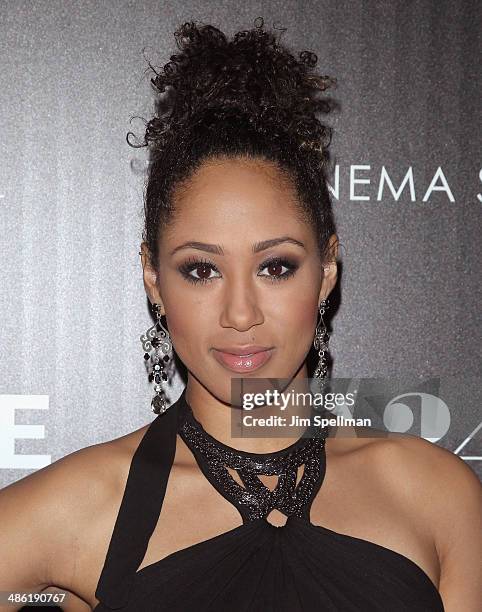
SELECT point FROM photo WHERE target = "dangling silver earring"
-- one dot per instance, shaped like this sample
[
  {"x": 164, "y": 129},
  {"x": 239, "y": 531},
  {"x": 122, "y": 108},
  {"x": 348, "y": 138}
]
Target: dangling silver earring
[
  {"x": 320, "y": 343},
  {"x": 157, "y": 337}
]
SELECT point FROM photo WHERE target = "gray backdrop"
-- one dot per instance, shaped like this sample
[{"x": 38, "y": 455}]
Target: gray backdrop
[{"x": 72, "y": 299}]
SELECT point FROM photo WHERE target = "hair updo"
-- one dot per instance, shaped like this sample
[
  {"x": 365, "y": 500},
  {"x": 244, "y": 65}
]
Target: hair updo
[{"x": 247, "y": 97}]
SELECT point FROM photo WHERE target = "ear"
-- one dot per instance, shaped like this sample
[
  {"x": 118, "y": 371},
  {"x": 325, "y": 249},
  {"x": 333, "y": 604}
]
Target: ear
[
  {"x": 150, "y": 278},
  {"x": 330, "y": 269}
]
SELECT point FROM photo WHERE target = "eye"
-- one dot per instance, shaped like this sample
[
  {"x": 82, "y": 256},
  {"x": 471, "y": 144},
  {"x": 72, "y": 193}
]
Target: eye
[
  {"x": 275, "y": 268},
  {"x": 198, "y": 271}
]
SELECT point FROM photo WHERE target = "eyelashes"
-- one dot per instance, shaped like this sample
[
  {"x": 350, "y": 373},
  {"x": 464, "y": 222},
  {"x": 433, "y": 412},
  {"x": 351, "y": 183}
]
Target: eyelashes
[{"x": 194, "y": 265}]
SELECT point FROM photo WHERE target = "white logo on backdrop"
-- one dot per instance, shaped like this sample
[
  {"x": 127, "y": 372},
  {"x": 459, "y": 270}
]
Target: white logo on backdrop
[
  {"x": 9, "y": 431},
  {"x": 362, "y": 175},
  {"x": 465, "y": 442},
  {"x": 434, "y": 417}
]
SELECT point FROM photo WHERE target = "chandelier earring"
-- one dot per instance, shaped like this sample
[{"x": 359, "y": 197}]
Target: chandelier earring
[{"x": 157, "y": 346}]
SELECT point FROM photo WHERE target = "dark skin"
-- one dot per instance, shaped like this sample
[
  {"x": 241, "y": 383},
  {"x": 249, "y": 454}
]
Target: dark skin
[{"x": 403, "y": 493}]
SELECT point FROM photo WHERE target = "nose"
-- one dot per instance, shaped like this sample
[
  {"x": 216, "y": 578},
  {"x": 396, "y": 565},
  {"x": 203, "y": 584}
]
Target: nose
[{"x": 240, "y": 309}]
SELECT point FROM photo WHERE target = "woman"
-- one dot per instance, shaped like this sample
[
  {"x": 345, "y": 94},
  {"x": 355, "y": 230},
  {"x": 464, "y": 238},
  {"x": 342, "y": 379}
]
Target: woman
[{"x": 239, "y": 255}]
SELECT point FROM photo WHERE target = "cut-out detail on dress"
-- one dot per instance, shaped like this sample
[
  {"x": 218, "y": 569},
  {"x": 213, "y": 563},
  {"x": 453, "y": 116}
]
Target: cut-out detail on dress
[
  {"x": 253, "y": 498},
  {"x": 255, "y": 567}
]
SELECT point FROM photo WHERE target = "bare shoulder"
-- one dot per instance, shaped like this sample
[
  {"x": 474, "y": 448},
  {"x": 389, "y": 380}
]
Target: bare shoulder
[
  {"x": 436, "y": 475},
  {"x": 49, "y": 515},
  {"x": 89, "y": 481},
  {"x": 449, "y": 494},
  {"x": 86, "y": 476},
  {"x": 444, "y": 495},
  {"x": 435, "y": 480}
]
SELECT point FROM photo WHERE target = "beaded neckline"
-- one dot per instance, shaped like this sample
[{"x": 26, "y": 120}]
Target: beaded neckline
[
  {"x": 188, "y": 416},
  {"x": 254, "y": 500}
]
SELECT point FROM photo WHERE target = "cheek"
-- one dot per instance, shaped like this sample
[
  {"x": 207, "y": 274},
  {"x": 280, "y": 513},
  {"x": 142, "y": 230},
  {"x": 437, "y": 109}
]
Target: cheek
[
  {"x": 189, "y": 325},
  {"x": 181, "y": 326},
  {"x": 298, "y": 317}
]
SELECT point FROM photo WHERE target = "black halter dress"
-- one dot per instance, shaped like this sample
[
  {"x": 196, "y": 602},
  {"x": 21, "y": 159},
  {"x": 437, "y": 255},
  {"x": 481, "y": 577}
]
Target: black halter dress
[{"x": 255, "y": 567}]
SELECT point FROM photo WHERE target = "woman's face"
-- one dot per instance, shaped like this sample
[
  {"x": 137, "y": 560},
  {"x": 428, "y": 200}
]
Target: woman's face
[{"x": 238, "y": 266}]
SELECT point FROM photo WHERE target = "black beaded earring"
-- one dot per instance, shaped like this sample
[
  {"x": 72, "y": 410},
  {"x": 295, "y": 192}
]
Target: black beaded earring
[
  {"x": 320, "y": 343},
  {"x": 158, "y": 340}
]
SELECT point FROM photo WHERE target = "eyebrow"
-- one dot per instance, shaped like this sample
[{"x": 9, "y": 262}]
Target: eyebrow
[{"x": 218, "y": 250}]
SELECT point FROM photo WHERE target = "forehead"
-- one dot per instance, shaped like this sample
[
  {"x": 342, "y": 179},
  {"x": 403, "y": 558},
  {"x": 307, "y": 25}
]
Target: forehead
[{"x": 241, "y": 193}]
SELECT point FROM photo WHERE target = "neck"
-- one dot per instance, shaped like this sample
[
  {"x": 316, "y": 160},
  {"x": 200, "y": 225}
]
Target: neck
[{"x": 218, "y": 418}]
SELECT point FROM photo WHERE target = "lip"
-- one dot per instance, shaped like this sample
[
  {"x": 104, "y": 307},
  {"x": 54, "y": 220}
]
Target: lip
[{"x": 243, "y": 359}]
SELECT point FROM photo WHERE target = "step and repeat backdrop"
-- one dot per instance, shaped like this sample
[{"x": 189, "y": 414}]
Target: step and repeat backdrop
[{"x": 405, "y": 180}]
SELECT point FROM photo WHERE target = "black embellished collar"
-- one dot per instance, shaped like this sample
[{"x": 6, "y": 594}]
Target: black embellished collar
[{"x": 255, "y": 500}]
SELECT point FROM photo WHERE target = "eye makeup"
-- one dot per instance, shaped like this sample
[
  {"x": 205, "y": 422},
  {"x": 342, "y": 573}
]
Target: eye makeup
[{"x": 203, "y": 266}]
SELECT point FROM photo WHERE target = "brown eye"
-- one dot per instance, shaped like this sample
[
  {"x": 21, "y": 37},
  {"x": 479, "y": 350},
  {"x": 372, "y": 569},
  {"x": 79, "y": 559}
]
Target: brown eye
[
  {"x": 203, "y": 271},
  {"x": 275, "y": 269},
  {"x": 199, "y": 271},
  {"x": 279, "y": 269}
]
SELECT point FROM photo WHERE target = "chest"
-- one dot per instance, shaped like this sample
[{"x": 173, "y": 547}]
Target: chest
[{"x": 350, "y": 502}]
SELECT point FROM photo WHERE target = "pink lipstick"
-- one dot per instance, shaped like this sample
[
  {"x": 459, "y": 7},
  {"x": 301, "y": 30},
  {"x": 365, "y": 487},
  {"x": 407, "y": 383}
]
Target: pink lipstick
[{"x": 243, "y": 358}]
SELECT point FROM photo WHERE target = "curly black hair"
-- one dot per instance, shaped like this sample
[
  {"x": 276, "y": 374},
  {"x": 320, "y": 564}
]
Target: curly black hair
[{"x": 245, "y": 97}]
